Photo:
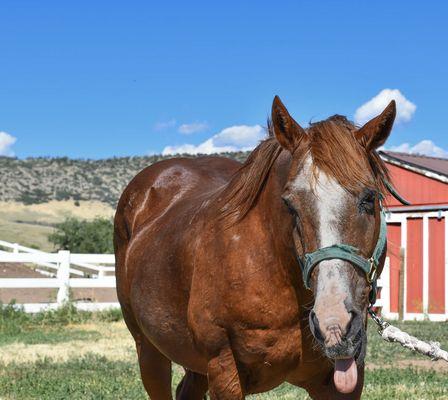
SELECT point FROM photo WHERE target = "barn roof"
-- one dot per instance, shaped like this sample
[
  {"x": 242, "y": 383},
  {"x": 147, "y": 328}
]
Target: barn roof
[{"x": 420, "y": 163}]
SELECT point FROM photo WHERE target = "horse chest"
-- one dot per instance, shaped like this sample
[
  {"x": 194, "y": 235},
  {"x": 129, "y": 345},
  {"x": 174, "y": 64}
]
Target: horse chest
[{"x": 266, "y": 355}]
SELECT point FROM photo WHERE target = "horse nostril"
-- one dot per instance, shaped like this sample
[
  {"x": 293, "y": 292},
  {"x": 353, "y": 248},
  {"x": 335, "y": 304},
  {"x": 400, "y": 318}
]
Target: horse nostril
[
  {"x": 354, "y": 324},
  {"x": 314, "y": 325}
]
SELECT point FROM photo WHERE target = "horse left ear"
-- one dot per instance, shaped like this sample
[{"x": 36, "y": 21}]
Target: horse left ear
[
  {"x": 375, "y": 132},
  {"x": 287, "y": 131}
]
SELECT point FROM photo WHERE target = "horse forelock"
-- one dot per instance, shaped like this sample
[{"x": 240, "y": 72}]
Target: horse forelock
[{"x": 336, "y": 151}]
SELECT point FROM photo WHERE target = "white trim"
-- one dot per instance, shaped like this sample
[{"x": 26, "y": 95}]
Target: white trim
[
  {"x": 425, "y": 266},
  {"x": 404, "y": 244},
  {"x": 414, "y": 317},
  {"x": 392, "y": 316},
  {"x": 437, "y": 317},
  {"x": 424, "y": 317},
  {"x": 392, "y": 217},
  {"x": 384, "y": 284}
]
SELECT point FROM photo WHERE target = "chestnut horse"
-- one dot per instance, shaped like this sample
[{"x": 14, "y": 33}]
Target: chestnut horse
[{"x": 207, "y": 262}]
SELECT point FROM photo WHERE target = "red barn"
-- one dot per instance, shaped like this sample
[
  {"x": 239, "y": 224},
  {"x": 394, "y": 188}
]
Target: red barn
[{"x": 420, "y": 233}]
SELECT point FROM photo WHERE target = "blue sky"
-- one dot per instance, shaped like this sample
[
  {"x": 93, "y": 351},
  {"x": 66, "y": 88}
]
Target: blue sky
[{"x": 98, "y": 79}]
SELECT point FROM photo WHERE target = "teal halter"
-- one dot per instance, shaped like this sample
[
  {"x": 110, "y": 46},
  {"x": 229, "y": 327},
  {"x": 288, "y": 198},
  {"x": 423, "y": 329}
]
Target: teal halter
[{"x": 349, "y": 253}]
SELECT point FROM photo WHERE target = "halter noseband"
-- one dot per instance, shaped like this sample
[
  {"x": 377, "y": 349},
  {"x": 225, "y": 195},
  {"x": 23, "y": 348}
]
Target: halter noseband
[
  {"x": 349, "y": 253},
  {"x": 352, "y": 254}
]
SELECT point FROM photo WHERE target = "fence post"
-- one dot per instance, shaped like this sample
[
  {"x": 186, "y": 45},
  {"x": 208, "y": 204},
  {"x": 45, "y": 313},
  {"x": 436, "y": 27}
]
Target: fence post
[
  {"x": 63, "y": 275},
  {"x": 15, "y": 248}
]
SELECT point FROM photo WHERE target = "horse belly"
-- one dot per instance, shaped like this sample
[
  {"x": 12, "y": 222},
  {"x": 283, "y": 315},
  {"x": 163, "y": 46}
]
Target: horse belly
[{"x": 159, "y": 301}]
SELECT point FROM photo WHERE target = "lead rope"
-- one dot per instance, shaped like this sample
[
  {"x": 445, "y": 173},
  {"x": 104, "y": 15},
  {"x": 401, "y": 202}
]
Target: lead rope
[{"x": 392, "y": 334}]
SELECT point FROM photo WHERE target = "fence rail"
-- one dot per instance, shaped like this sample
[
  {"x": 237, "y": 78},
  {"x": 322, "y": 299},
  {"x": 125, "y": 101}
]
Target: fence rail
[
  {"x": 64, "y": 276},
  {"x": 85, "y": 261}
]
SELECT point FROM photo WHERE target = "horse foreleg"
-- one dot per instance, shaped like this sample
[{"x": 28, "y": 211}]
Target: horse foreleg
[
  {"x": 193, "y": 386},
  {"x": 155, "y": 370},
  {"x": 223, "y": 378}
]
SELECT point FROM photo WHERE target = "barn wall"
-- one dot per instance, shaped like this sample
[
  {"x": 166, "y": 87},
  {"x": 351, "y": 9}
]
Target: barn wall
[
  {"x": 414, "y": 266},
  {"x": 415, "y": 187},
  {"x": 436, "y": 265}
]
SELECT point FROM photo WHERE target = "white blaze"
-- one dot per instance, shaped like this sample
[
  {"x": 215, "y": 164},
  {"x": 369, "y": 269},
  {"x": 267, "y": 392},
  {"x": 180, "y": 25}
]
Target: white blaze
[{"x": 329, "y": 201}]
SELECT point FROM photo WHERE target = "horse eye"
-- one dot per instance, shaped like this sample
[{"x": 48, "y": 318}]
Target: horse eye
[
  {"x": 367, "y": 202},
  {"x": 291, "y": 209}
]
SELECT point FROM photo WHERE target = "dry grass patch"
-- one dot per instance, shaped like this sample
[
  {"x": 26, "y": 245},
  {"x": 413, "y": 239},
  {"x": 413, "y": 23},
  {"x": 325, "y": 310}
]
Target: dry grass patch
[{"x": 112, "y": 341}]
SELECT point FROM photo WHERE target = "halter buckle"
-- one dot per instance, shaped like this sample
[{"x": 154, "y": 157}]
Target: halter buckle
[{"x": 373, "y": 274}]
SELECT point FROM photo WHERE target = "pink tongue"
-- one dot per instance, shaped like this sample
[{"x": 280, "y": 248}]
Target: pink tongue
[{"x": 345, "y": 375}]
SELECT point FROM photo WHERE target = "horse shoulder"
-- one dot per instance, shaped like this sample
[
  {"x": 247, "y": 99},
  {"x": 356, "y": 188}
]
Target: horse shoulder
[{"x": 241, "y": 289}]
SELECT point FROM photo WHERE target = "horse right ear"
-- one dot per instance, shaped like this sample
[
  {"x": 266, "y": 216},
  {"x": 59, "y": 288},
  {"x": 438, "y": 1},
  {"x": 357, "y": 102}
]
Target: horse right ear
[
  {"x": 375, "y": 132},
  {"x": 287, "y": 131}
]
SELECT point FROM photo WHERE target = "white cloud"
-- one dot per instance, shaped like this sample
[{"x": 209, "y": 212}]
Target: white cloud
[
  {"x": 195, "y": 127},
  {"x": 6, "y": 142},
  {"x": 234, "y": 138},
  {"x": 425, "y": 147},
  {"x": 405, "y": 108},
  {"x": 160, "y": 126}
]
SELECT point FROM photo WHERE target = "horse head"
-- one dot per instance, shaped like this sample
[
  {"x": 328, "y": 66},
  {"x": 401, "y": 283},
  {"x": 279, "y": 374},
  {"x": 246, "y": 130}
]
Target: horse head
[{"x": 334, "y": 189}]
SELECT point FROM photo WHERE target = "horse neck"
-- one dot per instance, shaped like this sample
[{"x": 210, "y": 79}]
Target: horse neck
[
  {"x": 270, "y": 207},
  {"x": 280, "y": 224}
]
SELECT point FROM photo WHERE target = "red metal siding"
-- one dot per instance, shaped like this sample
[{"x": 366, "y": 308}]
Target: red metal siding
[
  {"x": 416, "y": 188},
  {"x": 436, "y": 265},
  {"x": 393, "y": 251},
  {"x": 414, "y": 266}
]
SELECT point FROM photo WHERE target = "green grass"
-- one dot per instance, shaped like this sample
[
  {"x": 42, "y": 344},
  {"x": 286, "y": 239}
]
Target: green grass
[
  {"x": 89, "y": 377},
  {"x": 48, "y": 336},
  {"x": 96, "y": 376},
  {"x": 13, "y": 318}
]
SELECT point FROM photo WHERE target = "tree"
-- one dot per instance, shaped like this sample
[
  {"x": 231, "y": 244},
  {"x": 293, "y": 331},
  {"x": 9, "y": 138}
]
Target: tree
[{"x": 82, "y": 236}]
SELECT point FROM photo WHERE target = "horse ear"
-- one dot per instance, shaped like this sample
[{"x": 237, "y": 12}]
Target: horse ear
[
  {"x": 287, "y": 131},
  {"x": 375, "y": 132}
]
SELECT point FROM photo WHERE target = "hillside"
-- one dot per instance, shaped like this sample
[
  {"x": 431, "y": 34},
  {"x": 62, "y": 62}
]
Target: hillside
[
  {"x": 37, "y": 193},
  {"x": 40, "y": 180}
]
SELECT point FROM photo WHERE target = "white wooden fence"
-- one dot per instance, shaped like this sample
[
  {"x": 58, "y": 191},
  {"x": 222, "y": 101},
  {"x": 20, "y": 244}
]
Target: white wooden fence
[
  {"x": 60, "y": 269},
  {"x": 63, "y": 266}
]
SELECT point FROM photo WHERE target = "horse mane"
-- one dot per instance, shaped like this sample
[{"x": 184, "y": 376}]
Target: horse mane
[
  {"x": 239, "y": 195},
  {"x": 335, "y": 151}
]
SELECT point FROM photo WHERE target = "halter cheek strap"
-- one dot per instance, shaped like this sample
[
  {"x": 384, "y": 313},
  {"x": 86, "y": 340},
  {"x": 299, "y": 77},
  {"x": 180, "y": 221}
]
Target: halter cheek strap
[{"x": 351, "y": 254}]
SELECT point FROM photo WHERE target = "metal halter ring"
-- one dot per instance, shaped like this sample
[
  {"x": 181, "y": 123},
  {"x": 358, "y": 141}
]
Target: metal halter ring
[{"x": 372, "y": 275}]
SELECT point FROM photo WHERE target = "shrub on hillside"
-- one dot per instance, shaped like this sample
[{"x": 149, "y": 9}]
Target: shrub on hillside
[
  {"x": 35, "y": 196},
  {"x": 81, "y": 236}
]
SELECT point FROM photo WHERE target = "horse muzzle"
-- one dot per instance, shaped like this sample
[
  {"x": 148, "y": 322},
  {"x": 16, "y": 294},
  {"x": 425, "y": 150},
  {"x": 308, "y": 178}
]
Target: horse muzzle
[
  {"x": 339, "y": 338},
  {"x": 345, "y": 346}
]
